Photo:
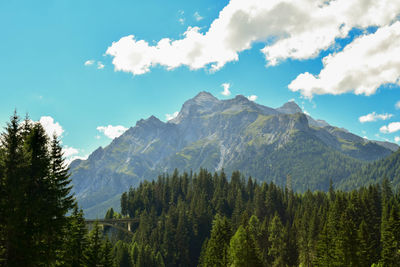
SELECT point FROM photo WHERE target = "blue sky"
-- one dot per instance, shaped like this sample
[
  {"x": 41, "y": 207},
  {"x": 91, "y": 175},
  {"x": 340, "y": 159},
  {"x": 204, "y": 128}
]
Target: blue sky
[{"x": 336, "y": 68}]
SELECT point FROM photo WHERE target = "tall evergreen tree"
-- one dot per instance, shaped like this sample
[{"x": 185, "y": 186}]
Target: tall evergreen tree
[
  {"x": 242, "y": 250},
  {"x": 76, "y": 239},
  {"x": 15, "y": 245},
  {"x": 216, "y": 251},
  {"x": 93, "y": 252},
  {"x": 277, "y": 241},
  {"x": 37, "y": 195}
]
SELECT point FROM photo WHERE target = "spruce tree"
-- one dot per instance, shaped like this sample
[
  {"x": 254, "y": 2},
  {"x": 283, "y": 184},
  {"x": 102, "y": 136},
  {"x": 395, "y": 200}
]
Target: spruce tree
[
  {"x": 15, "y": 245},
  {"x": 277, "y": 241},
  {"x": 216, "y": 251},
  {"x": 76, "y": 239},
  {"x": 93, "y": 252},
  {"x": 107, "y": 260},
  {"x": 242, "y": 250}
]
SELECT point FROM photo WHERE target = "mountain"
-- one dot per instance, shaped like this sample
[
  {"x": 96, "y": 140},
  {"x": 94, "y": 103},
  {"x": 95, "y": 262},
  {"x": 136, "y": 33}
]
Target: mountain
[{"x": 235, "y": 134}]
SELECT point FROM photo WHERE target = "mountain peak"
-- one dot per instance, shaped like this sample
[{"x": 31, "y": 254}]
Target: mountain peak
[
  {"x": 289, "y": 108},
  {"x": 204, "y": 97},
  {"x": 152, "y": 120},
  {"x": 241, "y": 98}
]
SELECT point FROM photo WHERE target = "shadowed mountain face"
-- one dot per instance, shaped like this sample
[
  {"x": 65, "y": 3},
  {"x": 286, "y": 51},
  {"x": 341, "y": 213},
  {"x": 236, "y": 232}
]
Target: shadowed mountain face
[{"x": 235, "y": 134}]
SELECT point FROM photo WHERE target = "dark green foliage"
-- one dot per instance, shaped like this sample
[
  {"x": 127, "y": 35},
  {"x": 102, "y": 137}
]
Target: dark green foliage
[
  {"x": 121, "y": 255},
  {"x": 35, "y": 196},
  {"x": 216, "y": 251},
  {"x": 76, "y": 239},
  {"x": 242, "y": 249},
  {"x": 277, "y": 236},
  {"x": 387, "y": 168},
  {"x": 93, "y": 252},
  {"x": 205, "y": 220}
]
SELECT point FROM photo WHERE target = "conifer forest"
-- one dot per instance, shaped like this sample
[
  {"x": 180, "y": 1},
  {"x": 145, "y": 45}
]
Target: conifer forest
[{"x": 186, "y": 219}]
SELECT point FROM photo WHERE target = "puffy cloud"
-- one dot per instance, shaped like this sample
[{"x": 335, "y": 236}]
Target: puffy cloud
[
  {"x": 112, "y": 131},
  {"x": 390, "y": 128},
  {"x": 397, "y": 139},
  {"x": 226, "y": 91},
  {"x": 374, "y": 117},
  {"x": 297, "y": 29},
  {"x": 89, "y": 62},
  {"x": 71, "y": 159},
  {"x": 397, "y": 105},
  {"x": 171, "y": 116},
  {"x": 362, "y": 67},
  {"x": 252, "y": 97},
  {"x": 100, "y": 65},
  {"x": 50, "y": 126},
  {"x": 197, "y": 16},
  {"x": 69, "y": 151}
]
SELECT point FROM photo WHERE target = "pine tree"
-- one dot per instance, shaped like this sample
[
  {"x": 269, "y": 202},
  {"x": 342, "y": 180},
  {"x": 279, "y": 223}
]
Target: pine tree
[
  {"x": 121, "y": 255},
  {"x": 13, "y": 224},
  {"x": 216, "y": 251},
  {"x": 107, "y": 256},
  {"x": 242, "y": 250},
  {"x": 277, "y": 241},
  {"x": 37, "y": 195},
  {"x": 390, "y": 235},
  {"x": 76, "y": 239},
  {"x": 93, "y": 251}
]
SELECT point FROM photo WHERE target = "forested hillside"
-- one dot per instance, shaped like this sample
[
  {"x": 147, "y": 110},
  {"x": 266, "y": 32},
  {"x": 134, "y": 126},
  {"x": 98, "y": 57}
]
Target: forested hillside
[
  {"x": 375, "y": 172},
  {"x": 205, "y": 220}
]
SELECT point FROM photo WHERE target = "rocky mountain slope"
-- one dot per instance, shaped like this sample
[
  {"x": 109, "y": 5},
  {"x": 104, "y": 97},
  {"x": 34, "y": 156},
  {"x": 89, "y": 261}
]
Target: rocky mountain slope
[{"x": 235, "y": 134}]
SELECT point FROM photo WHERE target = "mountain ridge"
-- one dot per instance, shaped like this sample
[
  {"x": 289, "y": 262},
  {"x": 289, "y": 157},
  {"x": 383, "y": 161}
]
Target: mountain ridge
[{"x": 232, "y": 134}]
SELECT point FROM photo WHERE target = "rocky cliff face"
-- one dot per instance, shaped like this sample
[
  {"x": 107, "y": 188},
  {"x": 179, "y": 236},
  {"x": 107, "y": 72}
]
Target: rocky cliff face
[{"x": 234, "y": 134}]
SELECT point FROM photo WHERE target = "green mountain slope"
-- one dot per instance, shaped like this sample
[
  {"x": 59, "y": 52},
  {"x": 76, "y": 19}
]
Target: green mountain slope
[{"x": 375, "y": 172}]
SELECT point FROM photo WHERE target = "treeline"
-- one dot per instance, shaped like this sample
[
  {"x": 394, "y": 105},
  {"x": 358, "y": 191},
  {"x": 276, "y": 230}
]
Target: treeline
[
  {"x": 35, "y": 199},
  {"x": 205, "y": 220}
]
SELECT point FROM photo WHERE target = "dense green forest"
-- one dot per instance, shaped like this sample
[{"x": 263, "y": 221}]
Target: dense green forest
[
  {"x": 375, "y": 172},
  {"x": 205, "y": 220},
  {"x": 188, "y": 219}
]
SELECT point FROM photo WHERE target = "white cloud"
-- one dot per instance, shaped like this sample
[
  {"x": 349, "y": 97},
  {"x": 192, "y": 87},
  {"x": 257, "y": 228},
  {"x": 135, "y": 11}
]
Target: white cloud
[
  {"x": 171, "y": 116},
  {"x": 197, "y": 16},
  {"x": 362, "y": 67},
  {"x": 71, "y": 159},
  {"x": 50, "y": 126},
  {"x": 97, "y": 137},
  {"x": 112, "y": 131},
  {"x": 226, "y": 91},
  {"x": 374, "y": 117},
  {"x": 252, "y": 97},
  {"x": 390, "y": 128},
  {"x": 100, "y": 65},
  {"x": 89, "y": 62},
  {"x": 397, "y": 105},
  {"x": 397, "y": 139},
  {"x": 69, "y": 151},
  {"x": 297, "y": 29}
]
